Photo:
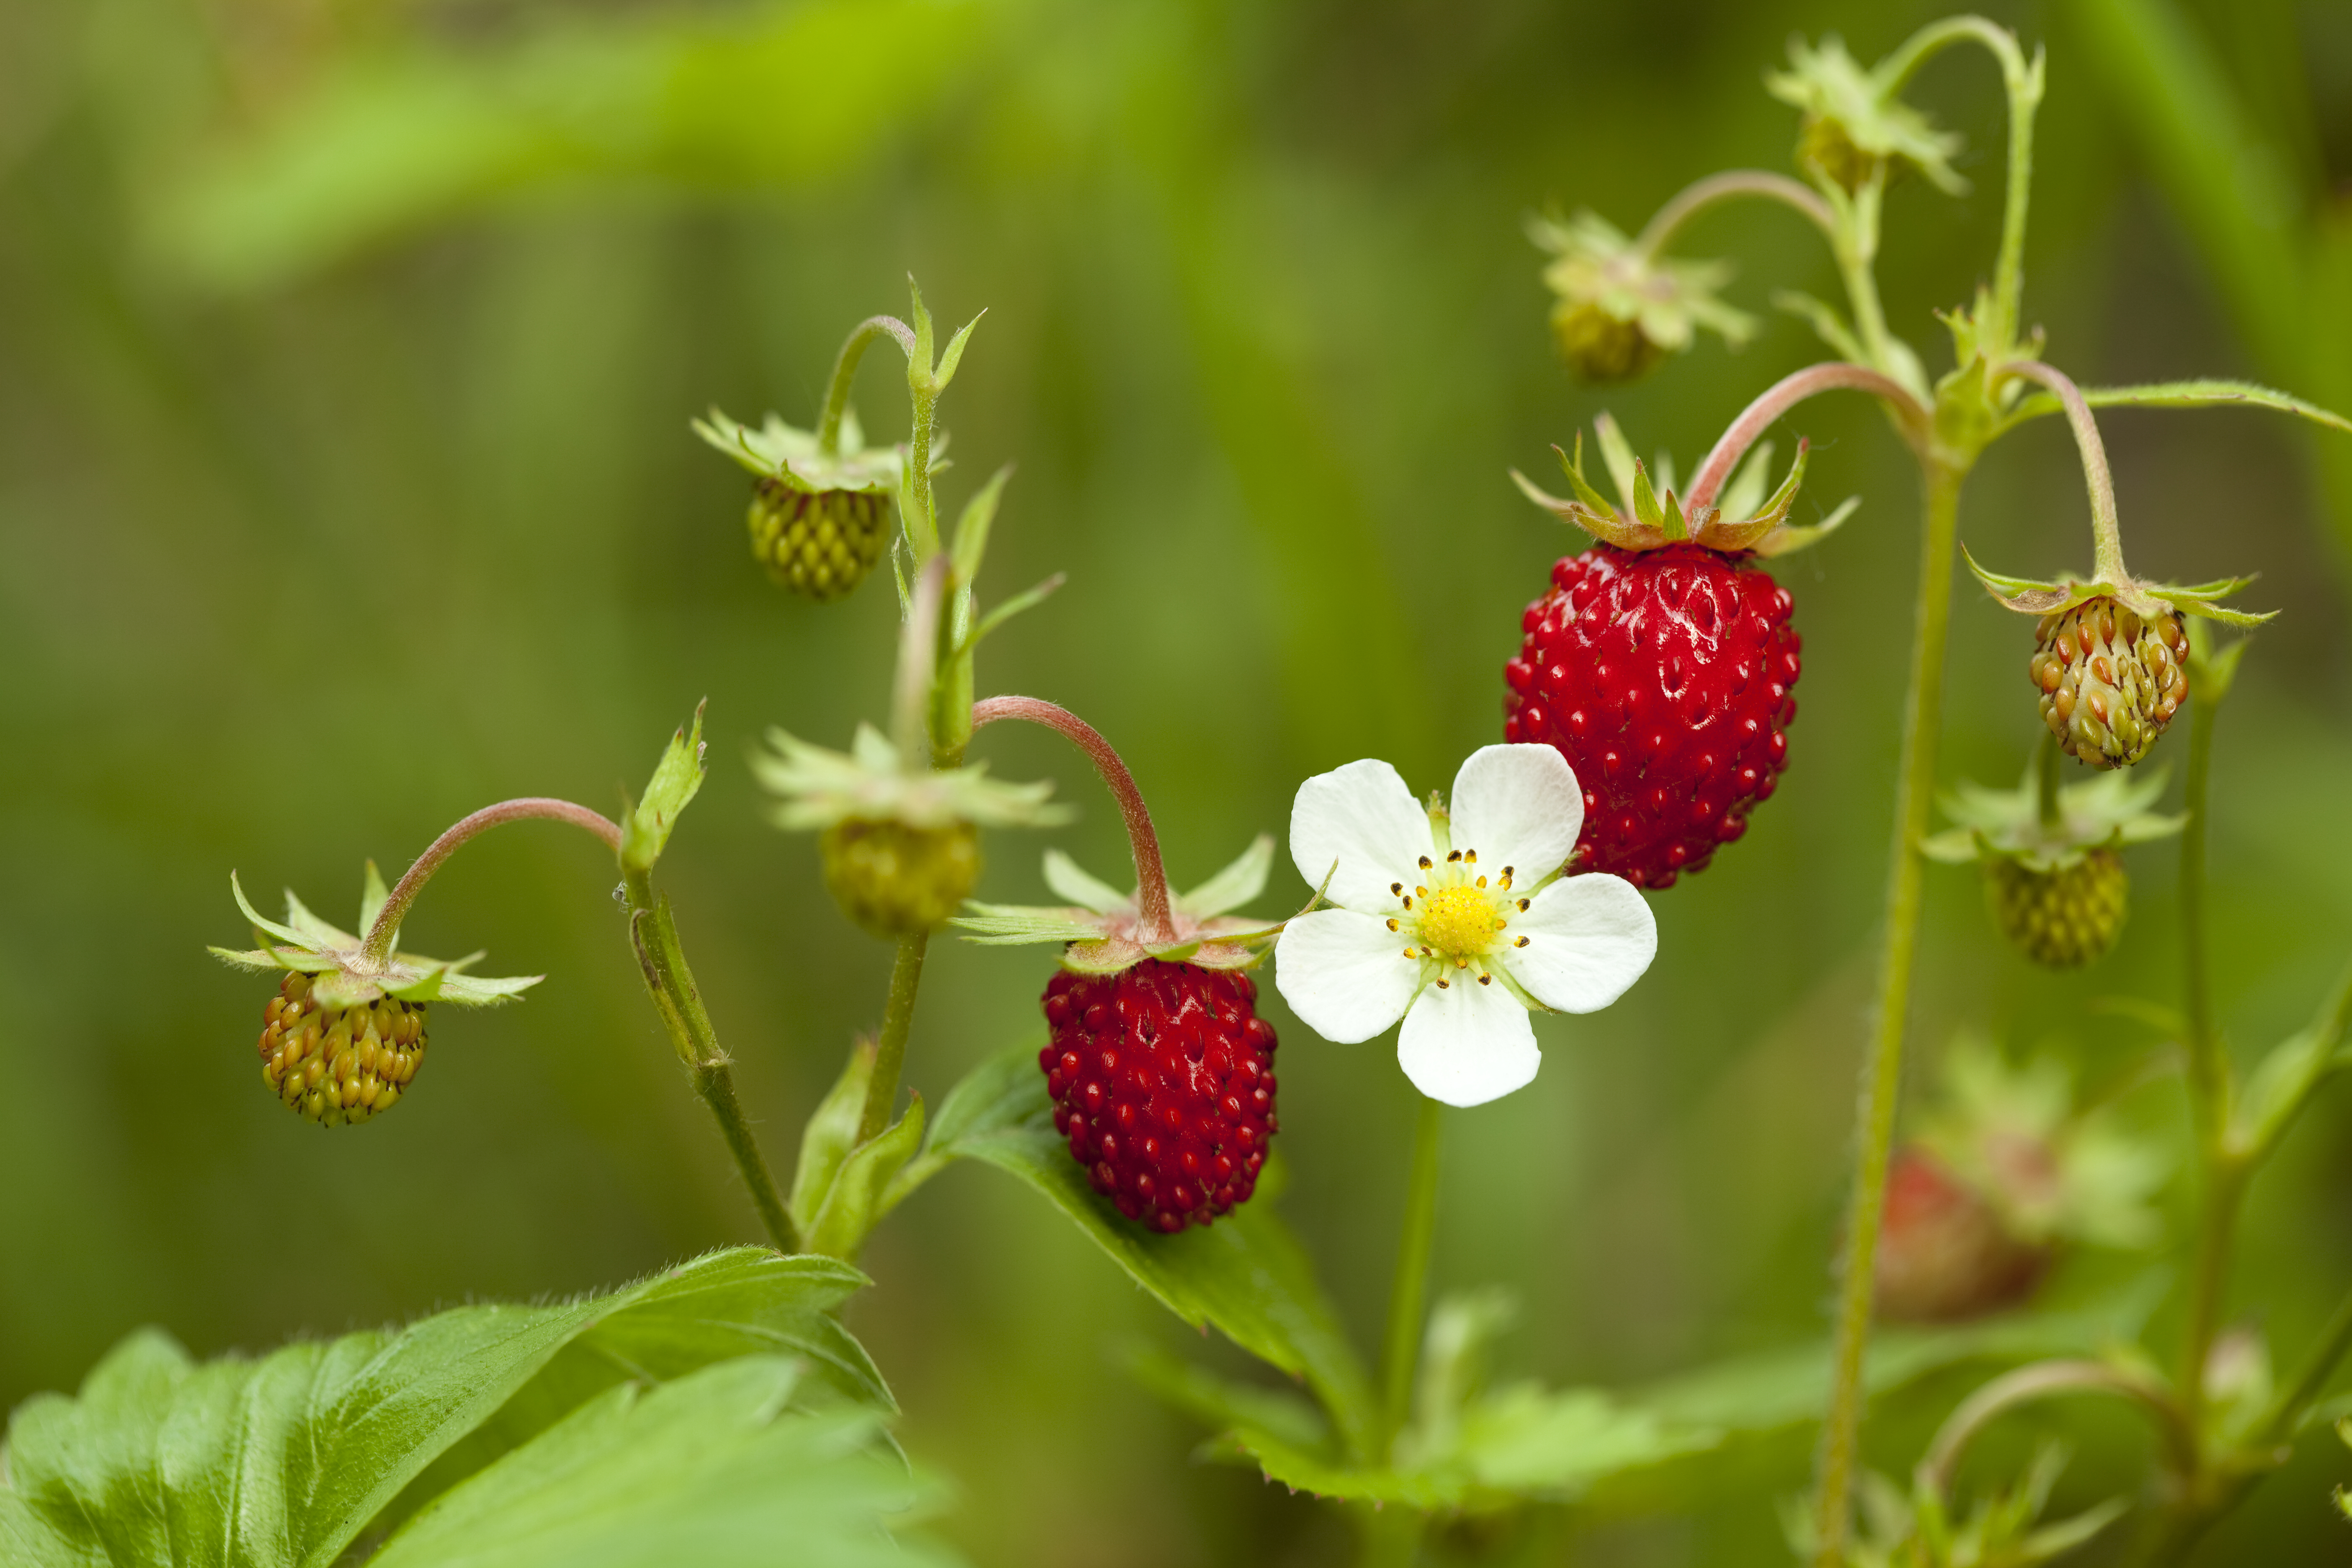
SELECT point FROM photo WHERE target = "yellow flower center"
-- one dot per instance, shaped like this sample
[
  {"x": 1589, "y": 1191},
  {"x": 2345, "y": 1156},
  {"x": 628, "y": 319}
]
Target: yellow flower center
[{"x": 1459, "y": 922}]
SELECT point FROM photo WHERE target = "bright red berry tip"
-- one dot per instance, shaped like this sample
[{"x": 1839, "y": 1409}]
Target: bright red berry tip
[
  {"x": 1664, "y": 676},
  {"x": 1163, "y": 1079}
]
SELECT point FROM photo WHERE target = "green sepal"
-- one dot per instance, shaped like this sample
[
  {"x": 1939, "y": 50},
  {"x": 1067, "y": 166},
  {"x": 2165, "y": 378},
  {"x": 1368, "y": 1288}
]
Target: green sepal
[
  {"x": 261, "y": 927},
  {"x": 1016, "y": 925},
  {"x": 1827, "y": 324},
  {"x": 2032, "y": 597},
  {"x": 1791, "y": 537},
  {"x": 1617, "y": 456},
  {"x": 645, "y": 830},
  {"x": 830, "y": 1134},
  {"x": 1072, "y": 881},
  {"x": 971, "y": 546},
  {"x": 1028, "y": 599},
  {"x": 2109, "y": 811},
  {"x": 311, "y": 946},
  {"x": 1234, "y": 886},
  {"x": 858, "y": 1196},
  {"x": 373, "y": 896},
  {"x": 1744, "y": 496},
  {"x": 820, "y": 787},
  {"x": 314, "y": 932},
  {"x": 2212, "y": 671},
  {"x": 792, "y": 457},
  {"x": 1829, "y": 84}
]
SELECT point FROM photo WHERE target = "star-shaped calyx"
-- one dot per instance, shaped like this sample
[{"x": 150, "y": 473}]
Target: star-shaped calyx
[{"x": 1646, "y": 514}]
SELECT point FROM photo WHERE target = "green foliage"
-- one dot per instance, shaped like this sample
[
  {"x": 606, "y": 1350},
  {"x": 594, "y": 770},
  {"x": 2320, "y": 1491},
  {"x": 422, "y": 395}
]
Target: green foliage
[
  {"x": 677, "y": 778},
  {"x": 287, "y": 1459}
]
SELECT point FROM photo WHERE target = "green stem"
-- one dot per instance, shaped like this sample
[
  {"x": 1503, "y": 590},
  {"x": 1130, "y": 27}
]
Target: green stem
[
  {"x": 376, "y": 946},
  {"x": 844, "y": 371},
  {"x": 2045, "y": 783},
  {"x": 890, "y": 1051},
  {"x": 654, "y": 933},
  {"x": 2040, "y": 1381},
  {"x": 1855, "y": 246},
  {"x": 2210, "y": 1084},
  {"x": 2023, "y": 82},
  {"x": 1883, "y": 1066},
  {"x": 2107, "y": 529},
  {"x": 1401, "y": 1352},
  {"x": 1696, "y": 199}
]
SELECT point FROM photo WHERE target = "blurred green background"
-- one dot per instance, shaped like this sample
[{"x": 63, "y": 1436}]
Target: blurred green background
[{"x": 346, "y": 354}]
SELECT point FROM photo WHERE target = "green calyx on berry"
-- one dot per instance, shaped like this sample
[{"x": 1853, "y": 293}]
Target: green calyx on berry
[
  {"x": 1648, "y": 516},
  {"x": 819, "y": 518},
  {"x": 1104, "y": 929},
  {"x": 1855, "y": 129},
  {"x": 1619, "y": 308},
  {"x": 901, "y": 850},
  {"x": 345, "y": 1034},
  {"x": 2054, "y": 880},
  {"x": 342, "y": 975}
]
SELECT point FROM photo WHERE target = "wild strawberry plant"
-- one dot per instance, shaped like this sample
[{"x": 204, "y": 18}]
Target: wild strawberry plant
[{"x": 720, "y": 1409}]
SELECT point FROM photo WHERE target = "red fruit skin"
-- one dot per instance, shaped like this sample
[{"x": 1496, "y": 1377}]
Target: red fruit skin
[
  {"x": 1943, "y": 1255},
  {"x": 1163, "y": 1079},
  {"x": 1664, "y": 676}
]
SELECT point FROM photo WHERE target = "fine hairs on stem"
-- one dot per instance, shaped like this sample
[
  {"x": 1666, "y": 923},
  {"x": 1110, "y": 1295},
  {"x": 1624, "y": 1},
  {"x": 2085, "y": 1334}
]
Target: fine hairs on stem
[{"x": 1157, "y": 923}]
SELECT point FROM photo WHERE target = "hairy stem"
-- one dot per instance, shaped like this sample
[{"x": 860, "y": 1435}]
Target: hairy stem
[
  {"x": 1156, "y": 920},
  {"x": 1401, "y": 1350},
  {"x": 1883, "y": 1066},
  {"x": 844, "y": 371},
  {"x": 653, "y": 932},
  {"x": 2107, "y": 530},
  {"x": 2041, "y": 1381},
  {"x": 1696, "y": 199},
  {"x": 1855, "y": 246},
  {"x": 897, "y": 1021},
  {"x": 377, "y": 944},
  {"x": 1832, "y": 375},
  {"x": 2022, "y": 83},
  {"x": 2222, "y": 1173}
]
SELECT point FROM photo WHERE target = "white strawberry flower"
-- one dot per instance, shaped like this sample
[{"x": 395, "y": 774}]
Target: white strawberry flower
[{"x": 1456, "y": 921}]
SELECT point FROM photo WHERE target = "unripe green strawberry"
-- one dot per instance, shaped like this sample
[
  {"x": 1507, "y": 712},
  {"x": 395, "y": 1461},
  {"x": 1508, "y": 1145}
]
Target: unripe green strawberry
[
  {"x": 2110, "y": 679},
  {"x": 1822, "y": 144},
  {"x": 820, "y": 543},
  {"x": 2060, "y": 919},
  {"x": 1601, "y": 349},
  {"x": 896, "y": 879},
  {"x": 335, "y": 1064}
]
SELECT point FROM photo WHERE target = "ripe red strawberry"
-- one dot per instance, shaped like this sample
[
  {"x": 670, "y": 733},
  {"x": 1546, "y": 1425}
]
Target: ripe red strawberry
[
  {"x": 1162, "y": 1078},
  {"x": 1663, "y": 676}
]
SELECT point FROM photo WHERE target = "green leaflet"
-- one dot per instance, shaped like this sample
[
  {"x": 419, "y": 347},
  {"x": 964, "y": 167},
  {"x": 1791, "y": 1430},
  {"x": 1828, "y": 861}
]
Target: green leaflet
[
  {"x": 284, "y": 1460},
  {"x": 1246, "y": 1274},
  {"x": 715, "y": 1469},
  {"x": 677, "y": 777}
]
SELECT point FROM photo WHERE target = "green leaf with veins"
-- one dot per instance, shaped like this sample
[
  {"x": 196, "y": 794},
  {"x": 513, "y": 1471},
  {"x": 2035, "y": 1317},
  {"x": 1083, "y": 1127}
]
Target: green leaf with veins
[
  {"x": 2183, "y": 394},
  {"x": 1246, "y": 1274},
  {"x": 717, "y": 1468},
  {"x": 282, "y": 1462}
]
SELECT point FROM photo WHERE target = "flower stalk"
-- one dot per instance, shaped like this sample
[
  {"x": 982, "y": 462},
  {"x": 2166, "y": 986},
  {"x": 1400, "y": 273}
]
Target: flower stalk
[
  {"x": 1408, "y": 1293},
  {"x": 1833, "y": 375},
  {"x": 844, "y": 371},
  {"x": 377, "y": 945},
  {"x": 2107, "y": 530}
]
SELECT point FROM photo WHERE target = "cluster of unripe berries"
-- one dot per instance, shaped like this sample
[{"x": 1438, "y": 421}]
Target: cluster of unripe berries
[
  {"x": 337, "y": 1065},
  {"x": 2110, "y": 679},
  {"x": 821, "y": 543},
  {"x": 1163, "y": 1079}
]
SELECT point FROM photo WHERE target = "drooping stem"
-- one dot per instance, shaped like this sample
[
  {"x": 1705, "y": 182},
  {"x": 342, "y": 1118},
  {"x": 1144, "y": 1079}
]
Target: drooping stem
[
  {"x": 1156, "y": 921},
  {"x": 1400, "y": 1348},
  {"x": 1697, "y": 197},
  {"x": 897, "y": 1021},
  {"x": 844, "y": 371},
  {"x": 2040, "y": 1381},
  {"x": 2046, "y": 782},
  {"x": 1883, "y": 1065},
  {"x": 377, "y": 943},
  {"x": 2107, "y": 529},
  {"x": 1832, "y": 375},
  {"x": 653, "y": 932},
  {"x": 2023, "y": 84}
]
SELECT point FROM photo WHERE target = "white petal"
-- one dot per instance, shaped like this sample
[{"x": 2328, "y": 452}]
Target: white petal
[
  {"x": 1517, "y": 806},
  {"x": 1589, "y": 938},
  {"x": 1345, "y": 974},
  {"x": 1469, "y": 1043},
  {"x": 1362, "y": 817}
]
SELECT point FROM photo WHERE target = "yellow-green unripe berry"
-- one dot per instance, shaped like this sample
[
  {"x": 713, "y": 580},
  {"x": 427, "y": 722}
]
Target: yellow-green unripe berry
[
  {"x": 1822, "y": 143},
  {"x": 339, "y": 1064},
  {"x": 1601, "y": 348},
  {"x": 2062, "y": 918},
  {"x": 895, "y": 879},
  {"x": 2110, "y": 679},
  {"x": 821, "y": 543}
]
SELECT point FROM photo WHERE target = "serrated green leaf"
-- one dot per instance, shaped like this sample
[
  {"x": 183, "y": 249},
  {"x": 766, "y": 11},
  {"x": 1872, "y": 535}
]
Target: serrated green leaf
[
  {"x": 830, "y": 1134},
  {"x": 677, "y": 779},
  {"x": 715, "y": 1469},
  {"x": 1223, "y": 1404},
  {"x": 1234, "y": 886},
  {"x": 282, "y": 1461},
  {"x": 1246, "y": 1274}
]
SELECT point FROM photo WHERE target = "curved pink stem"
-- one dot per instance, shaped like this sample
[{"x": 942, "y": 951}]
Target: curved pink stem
[
  {"x": 1151, "y": 877},
  {"x": 378, "y": 942},
  {"x": 2107, "y": 527},
  {"x": 1836, "y": 375}
]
